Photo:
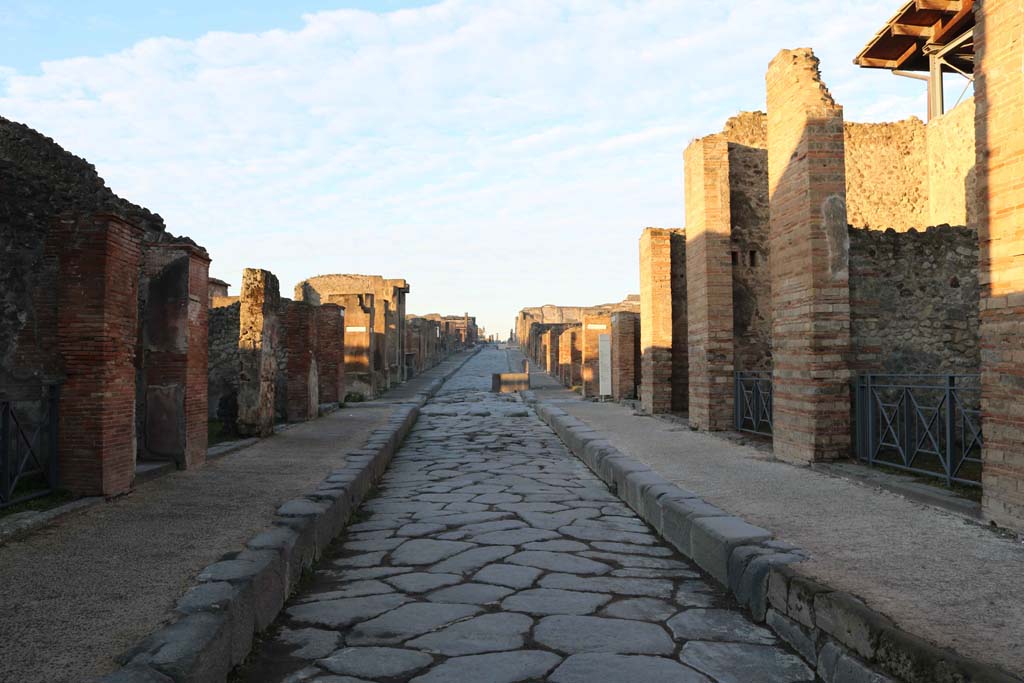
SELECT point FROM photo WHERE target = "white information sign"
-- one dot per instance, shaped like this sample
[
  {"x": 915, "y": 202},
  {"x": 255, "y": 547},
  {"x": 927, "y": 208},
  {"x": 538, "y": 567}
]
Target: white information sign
[
  {"x": 604, "y": 362},
  {"x": 595, "y": 326},
  {"x": 353, "y": 328}
]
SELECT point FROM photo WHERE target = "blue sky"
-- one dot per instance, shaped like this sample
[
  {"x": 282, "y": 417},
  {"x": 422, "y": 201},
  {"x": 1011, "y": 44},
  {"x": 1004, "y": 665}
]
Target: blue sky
[{"x": 495, "y": 154}]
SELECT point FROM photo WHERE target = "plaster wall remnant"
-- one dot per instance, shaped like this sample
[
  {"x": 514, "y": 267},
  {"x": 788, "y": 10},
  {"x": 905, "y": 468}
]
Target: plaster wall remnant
[
  {"x": 999, "y": 92},
  {"x": 810, "y": 289},
  {"x": 664, "y": 372},
  {"x": 257, "y": 346}
]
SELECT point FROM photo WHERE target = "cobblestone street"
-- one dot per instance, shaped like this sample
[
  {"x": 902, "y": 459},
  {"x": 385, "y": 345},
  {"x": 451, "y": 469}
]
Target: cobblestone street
[{"x": 490, "y": 554}]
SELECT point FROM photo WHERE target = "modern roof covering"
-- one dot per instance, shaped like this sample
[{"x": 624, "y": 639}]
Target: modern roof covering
[{"x": 920, "y": 27}]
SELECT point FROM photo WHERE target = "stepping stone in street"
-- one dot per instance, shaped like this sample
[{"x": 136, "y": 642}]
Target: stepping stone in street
[
  {"x": 546, "y": 601},
  {"x": 376, "y": 662},
  {"x": 470, "y": 594},
  {"x": 718, "y": 624},
  {"x": 559, "y": 562},
  {"x": 342, "y": 613},
  {"x": 593, "y": 667},
  {"x": 742, "y": 662},
  {"x": 573, "y": 635},
  {"x": 497, "y": 667},
  {"x": 486, "y": 633},
  {"x": 406, "y": 622},
  {"x": 426, "y": 551},
  {"x": 511, "y": 575}
]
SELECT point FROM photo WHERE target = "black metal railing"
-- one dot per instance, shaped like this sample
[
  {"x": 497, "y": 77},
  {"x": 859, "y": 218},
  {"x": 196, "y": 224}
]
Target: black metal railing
[
  {"x": 925, "y": 424},
  {"x": 28, "y": 446},
  {"x": 753, "y": 402}
]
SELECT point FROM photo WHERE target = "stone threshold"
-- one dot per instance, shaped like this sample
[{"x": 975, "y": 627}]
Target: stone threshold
[
  {"x": 840, "y": 637},
  {"x": 214, "y": 625}
]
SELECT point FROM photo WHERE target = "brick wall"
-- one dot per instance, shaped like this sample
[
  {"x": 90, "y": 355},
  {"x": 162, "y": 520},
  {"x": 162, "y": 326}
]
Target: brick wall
[
  {"x": 593, "y": 326},
  {"x": 625, "y": 331},
  {"x": 100, "y": 257},
  {"x": 709, "y": 284},
  {"x": 257, "y": 345},
  {"x": 663, "y": 334},
  {"x": 809, "y": 269},
  {"x": 330, "y": 352},
  {"x": 303, "y": 397},
  {"x": 999, "y": 89}
]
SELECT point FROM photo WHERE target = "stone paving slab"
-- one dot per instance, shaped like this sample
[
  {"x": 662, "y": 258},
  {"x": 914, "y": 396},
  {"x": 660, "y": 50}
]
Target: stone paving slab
[
  {"x": 79, "y": 593},
  {"x": 472, "y": 598}
]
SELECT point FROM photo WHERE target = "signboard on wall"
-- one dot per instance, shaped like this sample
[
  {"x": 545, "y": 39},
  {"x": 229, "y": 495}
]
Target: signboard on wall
[{"x": 604, "y": 363}]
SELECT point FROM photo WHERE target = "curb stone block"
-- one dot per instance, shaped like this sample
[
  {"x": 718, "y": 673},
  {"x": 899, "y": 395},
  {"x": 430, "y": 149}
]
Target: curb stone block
[
  {"x": 712, "y": 540},
  {"x": 637, "y": 483},
  {"x": 800, "y": 603},
  {"x": 753, "y": 586},
  {"x": 738, "y": 562},
  {"x": 135, "y": 674},
  {"x": 238, "y": 609},
  {"x": 850, "y": 622},
  {"x": 194, "y": 649},
  {"x": 677, "y": 516},
  {"x": 803, "y": 640},
  {"x": 269, "y": 585},
  {"x": 655, "y": 499}
]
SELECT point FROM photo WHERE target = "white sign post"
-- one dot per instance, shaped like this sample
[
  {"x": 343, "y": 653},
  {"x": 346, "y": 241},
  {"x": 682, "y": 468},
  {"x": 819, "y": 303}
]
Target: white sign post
[{"x": 604, "y": 362}]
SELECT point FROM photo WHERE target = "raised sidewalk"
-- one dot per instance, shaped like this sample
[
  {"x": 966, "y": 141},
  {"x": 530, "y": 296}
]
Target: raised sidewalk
[
  {"x": 938, "y": 576},
  {"x": 81, "y": 591}
]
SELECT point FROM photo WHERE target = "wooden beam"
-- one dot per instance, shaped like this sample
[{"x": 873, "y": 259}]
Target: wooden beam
[
  {"x": 956, "y": 24},
  {"x": 875, "y": 63},
  {"x": 940, "y": 5},
  {"x": 907, "y": 54},
  {"x": 913, "y": 30}
]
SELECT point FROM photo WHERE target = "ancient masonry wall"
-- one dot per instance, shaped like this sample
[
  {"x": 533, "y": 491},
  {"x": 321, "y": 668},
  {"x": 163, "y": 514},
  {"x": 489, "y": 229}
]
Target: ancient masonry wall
[
  {"x": 999, "y": 89},
  {"x": 625, "y": 331},
  {"x": 751, "y": 274},
  {"x": 303, "y": 391},
  {"x": 914, "y": 301},
  {"x": 257, "y": 346},
  {"x": 663, "y": 321},
  {"x": 887, "y": 174},
  {"x": 809, "y": 264},
  {"x": 593, "y": 326},
  {"x": 330, "y": 352},
  {"x": 569, "y": 356},
  {"x": 952, "y": 175},
  {"x": 222, "y": 379}
]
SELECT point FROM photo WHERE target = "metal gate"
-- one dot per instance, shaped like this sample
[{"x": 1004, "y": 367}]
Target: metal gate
[
  {"x": 925, "y": 424},
  {"x": 28, "y": 447},
  {"x": 753, "y": 402}
]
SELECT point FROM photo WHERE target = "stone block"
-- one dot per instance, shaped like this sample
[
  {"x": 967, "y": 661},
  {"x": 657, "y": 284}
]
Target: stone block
[
  {"x": 713, "y": 539},
  {"x": 194, "y": 649},
  {"x": 850, "y": 622},
  {"x": 753, "y": 586},
  {"x": 801, "y": 639},
  {"x": 678, "y": 516},
  {"x": 636, "y": 482}
]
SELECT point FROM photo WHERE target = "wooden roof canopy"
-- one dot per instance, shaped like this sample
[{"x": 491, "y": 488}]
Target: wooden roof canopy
[{"x": 920, "y": 28}]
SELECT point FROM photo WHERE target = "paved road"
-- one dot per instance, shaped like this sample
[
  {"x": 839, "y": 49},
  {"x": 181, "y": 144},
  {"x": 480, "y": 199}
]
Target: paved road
[{"x": 490, "y": 554}]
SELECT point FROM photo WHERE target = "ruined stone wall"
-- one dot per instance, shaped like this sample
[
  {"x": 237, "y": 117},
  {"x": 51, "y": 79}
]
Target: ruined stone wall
[
  {"x": 257, "y": 348},
  {"x": 887, "y": 174},
  {"x": 952, "y": 178},
  {"x": 625, "y": 338},
  {"x": 914, "y": 301},
  {"x": 222, "y": 345},
  {"x": 664, "y": 362},
  {"x": 751, "y": 275}
]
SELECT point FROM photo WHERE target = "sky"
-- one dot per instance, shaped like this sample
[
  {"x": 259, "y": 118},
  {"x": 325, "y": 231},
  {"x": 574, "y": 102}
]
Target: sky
[{"x": 495, "y": 154}]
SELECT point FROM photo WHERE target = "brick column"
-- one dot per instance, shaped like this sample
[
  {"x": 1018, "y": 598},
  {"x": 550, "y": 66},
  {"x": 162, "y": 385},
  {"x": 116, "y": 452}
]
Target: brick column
[
  {"x": 809, "y": 263},
  {"x": 663, "y": 380},
  {"x": 97, "y": 328},
  {"x": 625, "y": 329},
  {"x": 259, "y": 301},
  {"x": 593, "y": 327},
  {"x": 330, "y": 352},
  {"x": 999, "y": 93},
  {"x": 566, "y": 342},
  {"x": 554, "y": 347},
  {"x": 709, "y": 284},
  {"x": 303, "y": 389},
  {"x": 175, "y": 329}
]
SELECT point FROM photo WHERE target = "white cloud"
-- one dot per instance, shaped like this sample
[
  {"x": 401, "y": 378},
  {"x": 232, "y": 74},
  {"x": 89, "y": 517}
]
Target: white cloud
[{"x": 495, "y": 154}]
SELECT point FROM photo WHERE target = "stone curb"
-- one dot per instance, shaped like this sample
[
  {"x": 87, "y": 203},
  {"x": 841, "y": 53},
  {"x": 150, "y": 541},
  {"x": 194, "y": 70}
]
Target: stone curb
[
  {"x": 839, "y": 636},
  {"x": 214, "y": 624},
  {"x": 22, "y": 524}
]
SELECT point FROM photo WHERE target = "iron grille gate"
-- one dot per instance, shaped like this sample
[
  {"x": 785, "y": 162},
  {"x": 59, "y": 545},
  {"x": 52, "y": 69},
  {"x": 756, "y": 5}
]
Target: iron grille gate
[
  {"x": 28, "y": 447},
  {"x": 753, "y": 402},
  {"x": 926, "y": 424}
]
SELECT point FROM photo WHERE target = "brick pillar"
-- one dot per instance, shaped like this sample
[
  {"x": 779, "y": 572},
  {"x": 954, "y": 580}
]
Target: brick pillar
[
  {"x": 625, "y": 328},
  {"x": 330, "y": 352},
  {"x": 175, "y": 354},
  {"x": 566, "y": 342},
  {"x": 663, "y": 377},
  {"x": 303, "y": 390},
  {"x": 593, "y": 327},
  {"x": 999, "y": 94},
  {"x": 97, "y": 328},
  {"x": 553, "y": 350},
  {"x": 709, "y": 284},
  {"x": 259, "y": 301},
  {"x": 809, "y": 263}
]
